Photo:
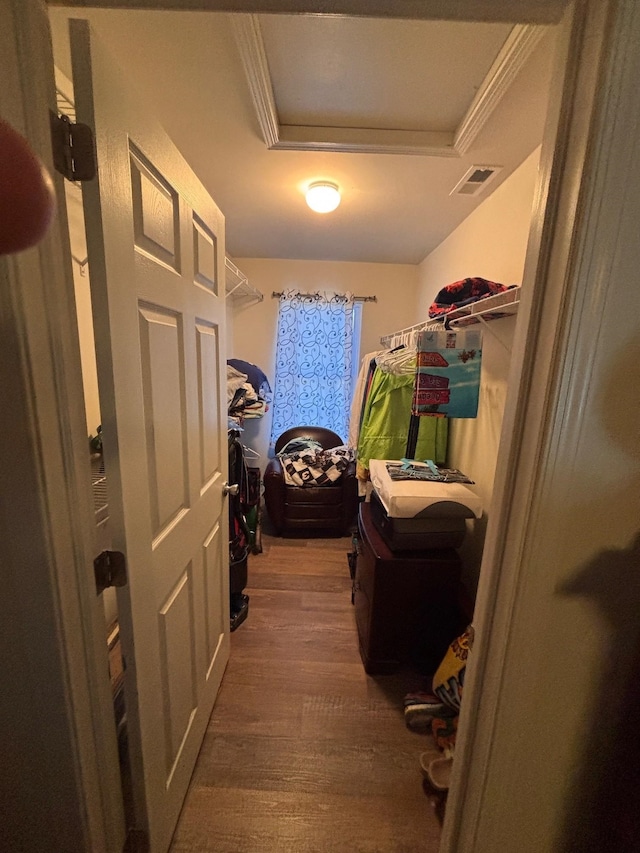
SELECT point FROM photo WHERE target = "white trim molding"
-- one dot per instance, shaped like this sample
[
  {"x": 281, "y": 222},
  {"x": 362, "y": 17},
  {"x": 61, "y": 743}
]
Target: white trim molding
[
  {"x": 254, "y": 59},
  {"x": 533, "y": 11},
  {"x": 516, "y": 50}
]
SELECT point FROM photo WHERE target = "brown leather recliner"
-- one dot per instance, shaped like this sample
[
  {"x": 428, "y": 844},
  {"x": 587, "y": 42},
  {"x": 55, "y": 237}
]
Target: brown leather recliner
[{"x": 310, "y": 510}]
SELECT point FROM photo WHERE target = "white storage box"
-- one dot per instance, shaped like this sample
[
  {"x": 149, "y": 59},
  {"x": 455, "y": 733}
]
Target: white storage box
[{"x": 422, "y": 498}]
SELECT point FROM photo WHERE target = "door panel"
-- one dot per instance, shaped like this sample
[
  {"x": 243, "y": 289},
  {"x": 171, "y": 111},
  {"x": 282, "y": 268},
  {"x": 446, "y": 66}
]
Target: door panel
[
  {"x": 208, "y": 400},
  {"x": 164, "y": 394},
  {"x": 178, "y": 666},
  {"x": 214, "y": 601},
  {"x": 155, "y": 212},
  {"x": 156, "y": 244},
  {"x": 204, "y": 256}
]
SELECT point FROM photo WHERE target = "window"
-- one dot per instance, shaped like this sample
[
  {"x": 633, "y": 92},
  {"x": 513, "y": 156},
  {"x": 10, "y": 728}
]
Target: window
[{"x": 314, "y": 361}]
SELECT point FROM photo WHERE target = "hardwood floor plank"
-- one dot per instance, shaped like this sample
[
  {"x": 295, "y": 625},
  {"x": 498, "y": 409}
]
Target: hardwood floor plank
[
  {"x": 259, "y": 711},
  {"x": 309, "y": 764},
  {"x": 251, "y": 821},
  {"x": 295, "y": 599},
  {"x": 307, "y": 563},
  {"x": 346, "y": 679},
  {"x": 304, "y": 752},
  {"x": 332, "y": 543},
  {"x": 293, "y": 619},
  {"x": 310, "y": 583},
  {"x": 300, "y": 645}
]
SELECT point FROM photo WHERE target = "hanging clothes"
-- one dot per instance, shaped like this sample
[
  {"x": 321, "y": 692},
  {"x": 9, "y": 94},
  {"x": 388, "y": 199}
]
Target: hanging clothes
[
  {"x": 385, "y": 424},
  {"x": 398, "y": 361},
  {"x": 360, "y": 393}
]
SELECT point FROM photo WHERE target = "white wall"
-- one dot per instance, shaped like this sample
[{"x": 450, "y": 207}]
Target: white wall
[
  {"x": 253, "y": 334},
  {"x": 490, "y": 243}
]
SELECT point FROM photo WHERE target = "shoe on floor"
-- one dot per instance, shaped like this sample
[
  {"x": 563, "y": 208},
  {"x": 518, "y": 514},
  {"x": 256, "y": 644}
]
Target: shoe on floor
[
  {"x": 239, "y": 610},
  {"x": 436, "y": 768},
  {"x": 426, "y": 758}
]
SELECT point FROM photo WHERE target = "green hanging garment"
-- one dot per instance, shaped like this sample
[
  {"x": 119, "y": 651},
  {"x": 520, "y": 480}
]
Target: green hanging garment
[{"x": 385, "y": 424}]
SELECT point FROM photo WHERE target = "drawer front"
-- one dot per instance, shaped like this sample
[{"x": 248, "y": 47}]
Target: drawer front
[{"x": 363, "y": 591}]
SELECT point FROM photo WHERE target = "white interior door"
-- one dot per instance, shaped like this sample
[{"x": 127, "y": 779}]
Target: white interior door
[
  {"x": 156, "y": 248},
  {"x": 60, "y": 771}
]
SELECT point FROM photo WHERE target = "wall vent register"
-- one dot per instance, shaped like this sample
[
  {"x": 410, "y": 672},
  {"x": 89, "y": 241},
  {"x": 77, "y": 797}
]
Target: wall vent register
[{"x": 475, "y": 180}]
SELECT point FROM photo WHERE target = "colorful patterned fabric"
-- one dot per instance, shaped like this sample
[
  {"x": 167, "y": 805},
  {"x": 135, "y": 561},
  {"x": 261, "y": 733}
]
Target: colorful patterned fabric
[
  {"x": 448, "y": 370},
  {"x": 448, "y": 680},
  {"x": 444, "y": 731},
  {"x": 427, "y": 472},
  {"x": 439, "y": 710},
  {"x": 313, "y": 467},
  {"x": 462, "y": 292}
]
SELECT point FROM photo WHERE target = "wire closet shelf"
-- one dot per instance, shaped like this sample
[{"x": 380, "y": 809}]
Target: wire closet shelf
[
  {"x": 490, "y": 308},
  {"x": 237, "y": 284}
]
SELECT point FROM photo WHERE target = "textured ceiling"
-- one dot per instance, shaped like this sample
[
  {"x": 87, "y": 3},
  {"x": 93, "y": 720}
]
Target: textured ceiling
[
  {"x": 349, "y": 72},
  {"x": 335, "y": 72}
]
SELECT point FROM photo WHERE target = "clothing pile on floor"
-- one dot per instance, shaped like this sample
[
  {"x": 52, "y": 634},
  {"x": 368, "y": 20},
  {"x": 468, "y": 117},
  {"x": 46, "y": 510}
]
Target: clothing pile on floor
[
  {"x": 437, "y": 712},
  {"x": 306, "y": 463},
  {"x": 248, "y": 390}
]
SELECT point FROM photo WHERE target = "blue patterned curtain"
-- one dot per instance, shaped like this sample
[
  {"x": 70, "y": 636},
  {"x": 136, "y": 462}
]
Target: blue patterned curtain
[{"x": 313, "y": 362}]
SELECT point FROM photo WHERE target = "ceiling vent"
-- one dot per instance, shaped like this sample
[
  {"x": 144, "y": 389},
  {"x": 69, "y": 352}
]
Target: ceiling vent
[{"x": 475, "y": 180}]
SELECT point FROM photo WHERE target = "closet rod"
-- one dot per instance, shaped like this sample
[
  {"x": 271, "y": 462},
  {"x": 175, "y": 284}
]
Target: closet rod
[
  {"x": 408, "y": 335},
  {"x": 278, "y": 294}
]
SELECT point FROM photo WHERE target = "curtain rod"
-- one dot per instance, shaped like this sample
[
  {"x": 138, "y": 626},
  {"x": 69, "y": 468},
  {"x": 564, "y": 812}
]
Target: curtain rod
[{"x": 277, "y": 294}]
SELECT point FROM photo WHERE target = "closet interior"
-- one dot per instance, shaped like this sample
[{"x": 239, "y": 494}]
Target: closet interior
[{"x": 413, "y": 587}]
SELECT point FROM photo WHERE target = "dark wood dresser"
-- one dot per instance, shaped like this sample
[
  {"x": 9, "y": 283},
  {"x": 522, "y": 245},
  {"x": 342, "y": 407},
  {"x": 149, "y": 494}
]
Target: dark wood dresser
[{"x": 407, "y": 603}]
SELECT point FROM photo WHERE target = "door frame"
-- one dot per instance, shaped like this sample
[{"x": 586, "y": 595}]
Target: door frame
[
  {"x": 551, "y": 324},
  {"x": 53, "y": 420},
  {"x": 60, "y": 702}
]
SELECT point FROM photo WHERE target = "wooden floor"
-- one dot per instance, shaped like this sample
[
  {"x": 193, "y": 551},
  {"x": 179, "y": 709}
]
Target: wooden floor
[{"x": 304, "y": 752}]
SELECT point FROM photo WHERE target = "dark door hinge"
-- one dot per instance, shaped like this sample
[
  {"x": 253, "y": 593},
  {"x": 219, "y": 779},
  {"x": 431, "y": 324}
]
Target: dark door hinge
[
  {"x": 74, "y": 153},
  {"x": 110, "y": 569}
]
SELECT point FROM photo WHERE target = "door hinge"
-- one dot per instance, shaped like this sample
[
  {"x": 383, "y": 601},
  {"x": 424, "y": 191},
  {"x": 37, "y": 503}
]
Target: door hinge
[
  {"x": 74, "y": 153},
  {"x": 110, "y": 569}
]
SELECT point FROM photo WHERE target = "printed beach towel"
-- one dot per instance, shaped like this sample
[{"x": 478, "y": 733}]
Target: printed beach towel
[{"x": 448, "y": 373}]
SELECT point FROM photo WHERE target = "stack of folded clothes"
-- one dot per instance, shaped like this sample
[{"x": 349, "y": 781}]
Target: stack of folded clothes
[{"x": 248, "y": 390}]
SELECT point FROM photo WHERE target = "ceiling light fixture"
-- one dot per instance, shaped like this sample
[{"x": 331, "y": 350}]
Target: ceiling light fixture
[{"x": 323, "y": 196}]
